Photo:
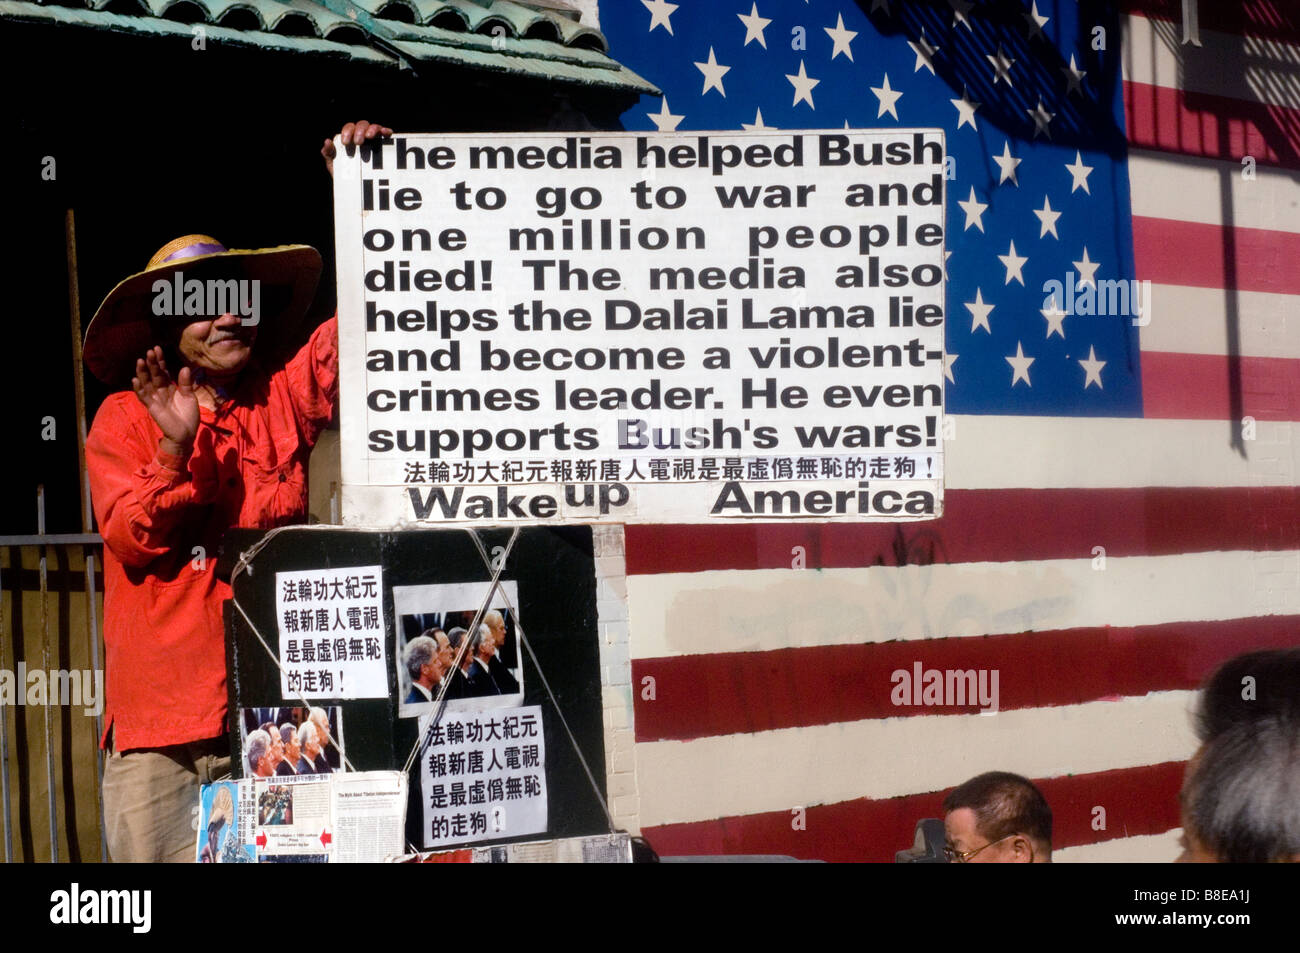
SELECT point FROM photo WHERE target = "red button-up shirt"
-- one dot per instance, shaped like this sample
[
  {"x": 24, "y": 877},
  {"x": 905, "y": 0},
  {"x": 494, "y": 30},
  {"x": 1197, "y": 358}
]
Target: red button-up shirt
[{"x": 162, "y": 518}]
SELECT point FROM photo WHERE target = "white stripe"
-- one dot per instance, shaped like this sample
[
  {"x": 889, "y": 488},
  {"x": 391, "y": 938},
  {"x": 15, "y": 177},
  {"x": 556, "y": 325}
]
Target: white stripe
[
  {"x": 1194, "y": 321},
  {"x": 991, "y": 453},
  {"x": 683, "y": 781},
  {"x": 1147, "y": 849},
  {"x": 1248, "y": 68},
  {"x": 1188, "y": 189},
  {"x": 761, "y": 610}
]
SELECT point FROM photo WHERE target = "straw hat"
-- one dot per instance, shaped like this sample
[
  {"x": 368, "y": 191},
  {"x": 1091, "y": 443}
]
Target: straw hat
[{"x": 123, "y": 327}]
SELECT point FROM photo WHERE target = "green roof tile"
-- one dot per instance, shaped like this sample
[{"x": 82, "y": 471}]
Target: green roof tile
[
  {"x": 614, "y": 77},
  {"x": 497, "y": 36},
  {"x": 158, "y": 26}
]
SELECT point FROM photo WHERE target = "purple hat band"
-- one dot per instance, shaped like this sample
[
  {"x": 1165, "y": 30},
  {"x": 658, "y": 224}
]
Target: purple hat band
[{"x": 198, "y": 248}]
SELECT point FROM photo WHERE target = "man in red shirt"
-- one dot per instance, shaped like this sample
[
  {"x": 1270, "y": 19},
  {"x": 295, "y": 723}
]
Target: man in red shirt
[{"x": 173, "y": 463}]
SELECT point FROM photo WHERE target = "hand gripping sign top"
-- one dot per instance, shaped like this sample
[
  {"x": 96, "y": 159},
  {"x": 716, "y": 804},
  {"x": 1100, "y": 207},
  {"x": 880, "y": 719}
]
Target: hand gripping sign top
[{"x": 624, "y": 327}]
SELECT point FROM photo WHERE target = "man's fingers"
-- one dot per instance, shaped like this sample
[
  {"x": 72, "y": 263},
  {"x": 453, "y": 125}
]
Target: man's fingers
[
  {"x": 151, "y": 368},
  {"x": 142, "y": 382},
  {"x": 351, "y": 135},
  {"x": 155, "y": 368},
  {"x": 158, "y": 369},
  {"x": 185, "y": 381},
  {"x": 355, "y": 133}
]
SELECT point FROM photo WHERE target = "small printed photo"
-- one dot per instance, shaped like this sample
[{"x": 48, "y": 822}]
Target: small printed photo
[
  {"x": 275, "y": 805},
  {"x": 287, "y": 742},
  {"x": 440, "y": 652},
  {"x": 219, "y": 826}
]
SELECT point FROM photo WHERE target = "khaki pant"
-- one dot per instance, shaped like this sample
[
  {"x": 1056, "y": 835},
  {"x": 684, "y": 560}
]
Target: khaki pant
[{"x": 151, "y": 799}]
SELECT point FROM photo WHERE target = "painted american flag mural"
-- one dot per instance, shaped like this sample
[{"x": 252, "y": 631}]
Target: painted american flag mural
[{"x": 1121, "y": 505}]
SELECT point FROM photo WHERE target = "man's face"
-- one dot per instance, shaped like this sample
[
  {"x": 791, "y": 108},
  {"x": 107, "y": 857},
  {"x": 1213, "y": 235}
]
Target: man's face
[
  {"x": 498, "y": 628},
  {"x": 277, "y": 749},
  {"x": 222, "y": 346},
  {"x": 311, "y": 748},
  {"x": 431, "y": 672},
  {"x": 322, "y": 730},
  {"x": 291, "y": 749},
  {"x": 446, "y": 654},
  {"x": 959, "y": 827}
]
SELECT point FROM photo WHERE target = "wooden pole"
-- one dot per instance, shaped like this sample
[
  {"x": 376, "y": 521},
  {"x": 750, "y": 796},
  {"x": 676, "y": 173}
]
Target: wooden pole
[{"x": 78, "y": 374}]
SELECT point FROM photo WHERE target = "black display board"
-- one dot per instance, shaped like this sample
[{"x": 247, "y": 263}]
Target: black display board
[{"x": 554, "y": 572}]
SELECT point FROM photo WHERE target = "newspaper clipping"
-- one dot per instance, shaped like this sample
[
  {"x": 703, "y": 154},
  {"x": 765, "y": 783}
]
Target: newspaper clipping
[{"x": 334, "y": 818}]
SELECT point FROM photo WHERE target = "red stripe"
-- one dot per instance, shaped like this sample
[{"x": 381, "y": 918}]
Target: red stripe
[
  {"x": 1136, "y": 801},
  {"x": 1267, "y": 387},
  {"x": 736, "y": 692},
  {"x": 991, "y": 525},
  {"x": 1266, "y": 18},
  {"x": 1214, "y": 127},
  {"x": 1211, "y": 256}
]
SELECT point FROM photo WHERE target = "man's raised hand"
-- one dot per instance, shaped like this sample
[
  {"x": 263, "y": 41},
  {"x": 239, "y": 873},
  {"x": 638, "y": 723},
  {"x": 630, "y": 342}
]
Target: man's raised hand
[
  {"x": 353, "y": 134},
  {"x": 172, "y": 404}
]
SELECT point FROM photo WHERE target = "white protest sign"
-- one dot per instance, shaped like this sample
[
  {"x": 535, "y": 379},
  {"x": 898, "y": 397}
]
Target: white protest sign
[
  {"x": 483, "y": 776},
  {"x": 642, "y": 328},
  {"x": 331, "y": 624}
]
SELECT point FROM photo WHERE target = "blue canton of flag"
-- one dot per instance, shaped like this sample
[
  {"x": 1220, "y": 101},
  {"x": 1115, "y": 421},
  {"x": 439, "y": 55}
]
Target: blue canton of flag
[{"x": 1039, "y": 231}]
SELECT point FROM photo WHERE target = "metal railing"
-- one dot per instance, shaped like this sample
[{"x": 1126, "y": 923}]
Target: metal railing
[
  {"x": 18, "y": 639},
  {"x": 40, "y": 607}
]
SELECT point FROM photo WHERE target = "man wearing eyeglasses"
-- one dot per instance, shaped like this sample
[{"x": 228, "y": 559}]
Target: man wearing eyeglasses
[{"x": 997, "y": 818}]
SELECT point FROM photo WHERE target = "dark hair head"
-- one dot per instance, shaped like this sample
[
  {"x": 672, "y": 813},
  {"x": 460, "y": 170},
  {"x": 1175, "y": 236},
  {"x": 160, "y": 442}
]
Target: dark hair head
[
  {"x": 1004, "y": 804},
  {"x": 1242, "y": 795},
  {"x": 1228, "y": 699}
]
